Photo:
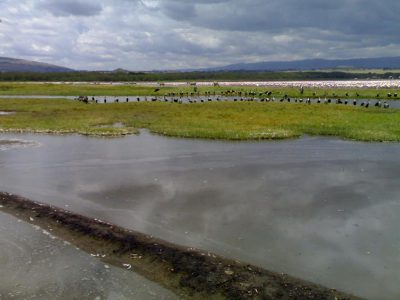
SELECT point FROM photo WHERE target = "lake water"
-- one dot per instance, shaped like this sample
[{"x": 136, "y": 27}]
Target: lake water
[{"x": 321, "y": 209}]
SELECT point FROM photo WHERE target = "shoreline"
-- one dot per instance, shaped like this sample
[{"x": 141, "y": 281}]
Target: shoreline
[{"x": 189, "y": 272}]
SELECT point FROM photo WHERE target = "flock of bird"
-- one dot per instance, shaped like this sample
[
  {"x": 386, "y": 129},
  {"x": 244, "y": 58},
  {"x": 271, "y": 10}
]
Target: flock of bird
[{"x": 187, "y": 97}]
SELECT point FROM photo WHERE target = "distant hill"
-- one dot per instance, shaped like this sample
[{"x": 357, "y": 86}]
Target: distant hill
[
  {"x": 314, "y": 64},
  {"x": 20, "y": 65}
]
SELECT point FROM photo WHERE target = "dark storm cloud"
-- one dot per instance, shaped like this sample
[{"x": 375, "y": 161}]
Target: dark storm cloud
[
  {"x": 71, "y": 7},
  {"x": 349, "y": 16}
]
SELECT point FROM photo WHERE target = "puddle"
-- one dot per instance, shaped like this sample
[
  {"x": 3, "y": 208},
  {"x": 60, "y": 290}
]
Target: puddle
[
  {"x": 6, "y": 113},
  {"x": 35, "y": 265}
]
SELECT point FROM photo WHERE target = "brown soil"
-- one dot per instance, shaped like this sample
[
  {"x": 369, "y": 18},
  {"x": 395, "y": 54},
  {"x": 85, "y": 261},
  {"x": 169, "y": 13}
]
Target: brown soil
[{"x": 190, "y": 273}]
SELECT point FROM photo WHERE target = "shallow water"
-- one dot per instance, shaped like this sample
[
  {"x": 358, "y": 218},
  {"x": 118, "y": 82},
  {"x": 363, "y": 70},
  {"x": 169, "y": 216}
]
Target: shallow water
[
  {"x": 35, "y": 265},
  {"x": 322, "y": 209},
  {"x": 8, "y": 144},
  {"x": 203, "y": 99}
]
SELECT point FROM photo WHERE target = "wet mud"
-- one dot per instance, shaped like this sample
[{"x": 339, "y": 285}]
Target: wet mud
[{"x": 188, "y": 272}]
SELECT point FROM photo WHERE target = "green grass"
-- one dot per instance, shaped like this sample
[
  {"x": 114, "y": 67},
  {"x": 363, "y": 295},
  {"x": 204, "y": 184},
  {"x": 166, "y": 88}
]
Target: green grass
[
  {"x": 136, "y": 90},
  {"x": 219, "y": 120}
]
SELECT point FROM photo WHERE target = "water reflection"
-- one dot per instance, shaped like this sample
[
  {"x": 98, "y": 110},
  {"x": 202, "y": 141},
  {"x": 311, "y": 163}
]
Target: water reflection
[
  {"x": 377, "y": 103},
  {"x": 35, "y": 265},
  {"x": 321, "y": 209}
]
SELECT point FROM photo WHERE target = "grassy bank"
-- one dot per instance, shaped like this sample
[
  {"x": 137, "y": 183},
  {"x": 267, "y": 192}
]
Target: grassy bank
[
  {"x": 219, "y": 120},
  {"x": 137, "y": 90}
]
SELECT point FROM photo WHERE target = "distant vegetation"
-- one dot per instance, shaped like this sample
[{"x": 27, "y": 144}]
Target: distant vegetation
[
  {"x": 55, "y": 89},
  {"x": 213, "y": 120},
  {"x": 191, "y": 76}
]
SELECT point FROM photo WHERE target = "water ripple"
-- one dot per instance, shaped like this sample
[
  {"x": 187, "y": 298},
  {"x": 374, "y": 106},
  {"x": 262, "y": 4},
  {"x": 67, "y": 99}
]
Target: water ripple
[{"x": 10, "y": 144}]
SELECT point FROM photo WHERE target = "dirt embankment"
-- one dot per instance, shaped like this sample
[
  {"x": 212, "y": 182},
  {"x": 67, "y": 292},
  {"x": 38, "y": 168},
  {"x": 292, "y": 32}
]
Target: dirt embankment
[{"x": 190, "y": 273}]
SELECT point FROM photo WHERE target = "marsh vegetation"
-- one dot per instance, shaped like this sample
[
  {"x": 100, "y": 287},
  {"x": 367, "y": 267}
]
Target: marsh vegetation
[{"x": 212, "y": 120}]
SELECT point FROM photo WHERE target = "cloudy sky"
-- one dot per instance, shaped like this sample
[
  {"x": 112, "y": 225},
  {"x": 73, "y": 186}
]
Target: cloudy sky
[{"x": 173, "y": 34}]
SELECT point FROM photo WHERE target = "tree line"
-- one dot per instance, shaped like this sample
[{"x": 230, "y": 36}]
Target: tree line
[{"x": 189, "y": 76}]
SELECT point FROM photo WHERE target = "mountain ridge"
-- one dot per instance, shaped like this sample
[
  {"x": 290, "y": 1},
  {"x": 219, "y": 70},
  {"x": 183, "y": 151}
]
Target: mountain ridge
[
  {"x": 313, "y": 64},
  {"x": 8, "y": 64}
]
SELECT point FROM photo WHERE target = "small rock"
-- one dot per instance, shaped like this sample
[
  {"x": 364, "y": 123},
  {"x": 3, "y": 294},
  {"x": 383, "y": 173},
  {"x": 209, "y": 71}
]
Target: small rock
[{"x": 229, "y": 272}]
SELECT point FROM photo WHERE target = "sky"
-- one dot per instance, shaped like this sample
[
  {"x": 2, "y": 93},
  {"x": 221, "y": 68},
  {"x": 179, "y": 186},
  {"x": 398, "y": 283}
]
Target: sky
[{"x": 179, "y": 34}]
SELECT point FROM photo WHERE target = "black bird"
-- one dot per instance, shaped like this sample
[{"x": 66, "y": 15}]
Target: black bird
[
  {"x": 354, "y": 102},
  {"x": 127, "y": 99}
]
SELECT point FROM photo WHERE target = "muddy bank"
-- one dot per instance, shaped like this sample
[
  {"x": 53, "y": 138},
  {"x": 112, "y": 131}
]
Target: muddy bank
[
  {"x": 123, "y": 132},
  {"x": 186, "y": 271}
]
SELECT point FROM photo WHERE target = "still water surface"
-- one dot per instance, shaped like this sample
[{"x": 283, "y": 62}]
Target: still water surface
[
  {"x": 199, "y": 99},
  {"x": 322, "y": 209},
  {"x": 36, "y": 265}
]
